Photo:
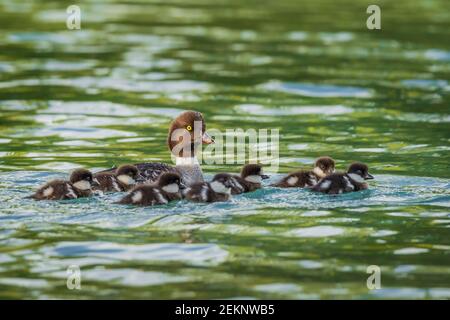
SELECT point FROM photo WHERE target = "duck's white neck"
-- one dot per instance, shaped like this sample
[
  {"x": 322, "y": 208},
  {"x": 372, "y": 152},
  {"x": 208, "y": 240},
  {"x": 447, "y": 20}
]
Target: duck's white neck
[
  {"x": 180, "y": 161},
  {"x": 189, "y": 169}
]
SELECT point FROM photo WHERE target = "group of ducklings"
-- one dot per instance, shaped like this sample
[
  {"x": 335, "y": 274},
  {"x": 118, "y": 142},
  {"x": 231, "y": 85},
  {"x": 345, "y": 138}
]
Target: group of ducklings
[{"x": 169, "y": 186}]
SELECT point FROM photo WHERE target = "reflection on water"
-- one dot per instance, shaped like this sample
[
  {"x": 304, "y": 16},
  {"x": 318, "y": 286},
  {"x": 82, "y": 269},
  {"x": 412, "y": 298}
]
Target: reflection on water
[
  {"x": 400, "y": 223},
  {"x": 104, "y": 95},
  {"x": 318, "y": 90}
]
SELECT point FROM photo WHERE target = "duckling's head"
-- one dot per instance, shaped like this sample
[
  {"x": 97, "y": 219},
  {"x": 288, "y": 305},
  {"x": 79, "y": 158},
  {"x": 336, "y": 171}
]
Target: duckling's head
[
  {"x": 253, "y": 173},
  {"x": 324, "y": 166},
  {"x": 186, "y": 133},
  {"x": 127, "y": 174},
  {"x": 359, "y": 172},
  {"x": 169, "y": 182},
  {"x": 81, "y": 179},
  {"x": 221, "y": 183}
]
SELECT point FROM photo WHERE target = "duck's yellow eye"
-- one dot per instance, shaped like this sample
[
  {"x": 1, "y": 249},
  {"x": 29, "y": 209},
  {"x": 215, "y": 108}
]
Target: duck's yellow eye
[{"x": 189, "y": 128}]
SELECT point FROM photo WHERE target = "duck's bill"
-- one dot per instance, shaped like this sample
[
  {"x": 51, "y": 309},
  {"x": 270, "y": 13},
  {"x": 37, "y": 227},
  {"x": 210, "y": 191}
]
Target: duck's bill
[
  {"x": 206, "y": 139},
  {"x": 264, "y": 176},
  {"x": 369, "y": 177}
]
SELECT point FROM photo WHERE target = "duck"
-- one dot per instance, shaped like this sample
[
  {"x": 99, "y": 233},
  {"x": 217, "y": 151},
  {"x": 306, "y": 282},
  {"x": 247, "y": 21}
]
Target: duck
[
  {"x": 79, "y": 185},
  {"x": 187, "y": 133},
  {"x": 249, "y": 180},
  {"x": 219, "y": 189},
  {"x": 353, "y": 180},
  {"x": 323, "y": 167},
  {"x": 123, "y": 179},
  {"x": 166, "y": 189}
]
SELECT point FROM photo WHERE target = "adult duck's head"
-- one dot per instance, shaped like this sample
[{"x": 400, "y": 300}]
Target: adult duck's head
[{"x": 186, "y": 133}]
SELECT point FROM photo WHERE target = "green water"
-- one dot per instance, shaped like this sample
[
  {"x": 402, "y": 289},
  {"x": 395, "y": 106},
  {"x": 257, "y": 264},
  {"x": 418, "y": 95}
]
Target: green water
[{"x": 104, "y": 95}]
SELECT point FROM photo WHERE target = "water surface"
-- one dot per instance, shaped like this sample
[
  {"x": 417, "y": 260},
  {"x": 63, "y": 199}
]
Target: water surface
[{"x": 104, "y": 95}]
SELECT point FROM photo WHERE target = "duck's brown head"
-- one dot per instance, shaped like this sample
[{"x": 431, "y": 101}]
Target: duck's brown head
[{"x": 186, "y": 133}]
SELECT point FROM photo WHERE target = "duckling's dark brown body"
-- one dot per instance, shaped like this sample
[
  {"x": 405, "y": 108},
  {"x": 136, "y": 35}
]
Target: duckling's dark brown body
[
  {"x": 337, "y": 183},
  {"x": 79, "y": 186},
  {"x": 202, "y": 192},
  {"x": 352, "y": 180},
  {"x": 165, "y": 190},
  {"x": 108, "y": 182},
  {"x": 147, "y": 195},
  {"x": 307, "y": 178},
  {"x": 123, "y": 179},
  {"x": 56, "y": 190},
  {"x": 240, "y": 185},
  {"x": 298, "y": 179},
  {"x": 249, "y": 179}
]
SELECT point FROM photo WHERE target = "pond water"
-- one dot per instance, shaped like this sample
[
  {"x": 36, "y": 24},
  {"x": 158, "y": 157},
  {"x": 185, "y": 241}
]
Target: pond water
[{"x": 104, "y": 95}]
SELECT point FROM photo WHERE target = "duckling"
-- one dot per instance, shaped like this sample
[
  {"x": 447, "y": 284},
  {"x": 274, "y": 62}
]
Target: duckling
[
  {"x": 80, "y": 185},
  {"x": 302, "y": 178},
  {"x": 249, "y": 180},
  {"x": 166, "y": 189},
  {"x": 353, "y": 180},
  {"x": 219, "y": 189},
  {"x": 123, "y": 179}
]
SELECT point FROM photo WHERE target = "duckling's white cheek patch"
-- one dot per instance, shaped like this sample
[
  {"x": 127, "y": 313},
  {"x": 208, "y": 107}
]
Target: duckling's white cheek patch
[
  {"x": 125, "y": 179},
  {"x": 356, "y": 177},
  {"x": 136, "y": 197},
  {"x": 82, "y": 185},
  {"x": 219, "y": 187},
  {"x": 325, "y": 185},
  {"x": 48, "y": 192},
  {"x": 171, "y": 188},
  {"x": 319, "y": 172},
  {"x": 254, "y": 179},
  {"x": 292, "y": 181}
]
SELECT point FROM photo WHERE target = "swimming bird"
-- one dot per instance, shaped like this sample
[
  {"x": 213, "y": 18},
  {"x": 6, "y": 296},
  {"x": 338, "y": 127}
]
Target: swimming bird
[
  {"x": 249, "y": 180},
  {"x": 219, "y": 189},
  {"x": 123, "y": 179},
  {"x": 166, "y": 189},
  {"x": 78, "y": 186},
  {"x": 353, "y": 180},
  {"x": 186, "y": 134},
  {"x": 307, "y": 178}
]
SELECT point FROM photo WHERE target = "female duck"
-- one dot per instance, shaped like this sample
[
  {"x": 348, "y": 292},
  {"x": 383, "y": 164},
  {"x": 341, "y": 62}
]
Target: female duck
[{"x": 187, "y": 133}]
